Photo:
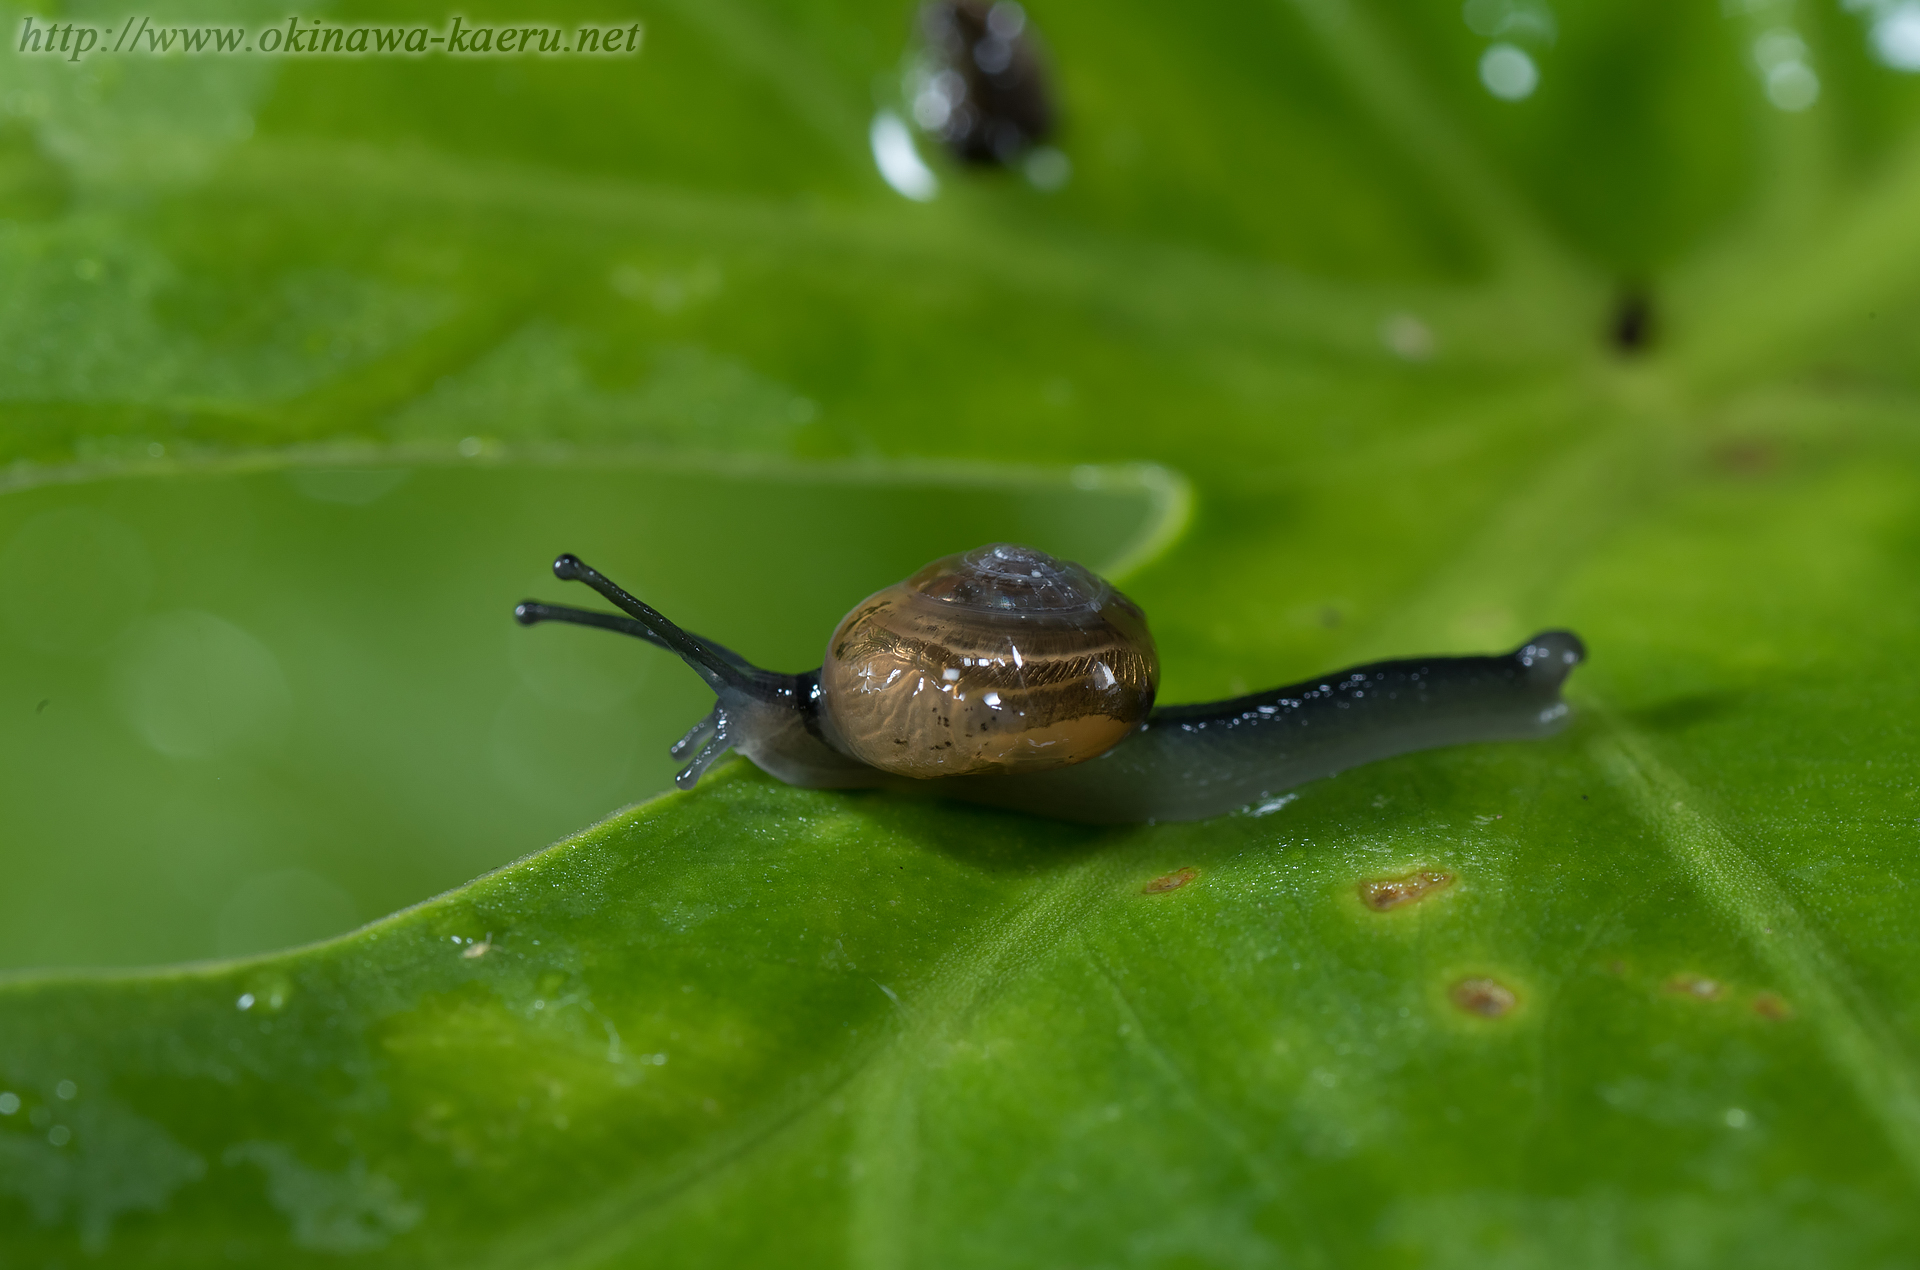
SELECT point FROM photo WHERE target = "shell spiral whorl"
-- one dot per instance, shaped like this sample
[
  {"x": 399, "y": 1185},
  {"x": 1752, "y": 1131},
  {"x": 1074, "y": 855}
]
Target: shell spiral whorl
[{"x": 1002, "y": 659}]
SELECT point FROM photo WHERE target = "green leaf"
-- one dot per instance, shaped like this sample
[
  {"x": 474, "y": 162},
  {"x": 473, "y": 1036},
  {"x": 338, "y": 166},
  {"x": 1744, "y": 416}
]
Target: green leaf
[
  {"x": 306, "y": 687},
  {"x": 1325, "y": 351}
]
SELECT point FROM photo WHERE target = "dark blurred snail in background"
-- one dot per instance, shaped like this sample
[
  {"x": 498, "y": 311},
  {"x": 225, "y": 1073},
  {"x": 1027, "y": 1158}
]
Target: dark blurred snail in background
[
  {"x": 1007, "y": 677},
  {"x": 983, "y": 87}
]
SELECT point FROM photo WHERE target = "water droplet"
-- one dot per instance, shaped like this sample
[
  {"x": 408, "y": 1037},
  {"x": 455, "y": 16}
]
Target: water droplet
[
  {"x": 1407, "y": 338},
  {"x": 9, "y": 1103},
  {"x": 1780, "y": 46},
  {"x": 899, "y": 162},
  {"x": 1695, "y": 987},
  {"x": 1519, "y": 18},
  {"x": 59, "y": 1135},
  {"x": 1793, "y": 87},
  {"x": 1509, "y": 72},
  {"x": 1047, "y": 169},
  {"x": 65, "y": 1090},
  {"x": 1896, "y": 36}
]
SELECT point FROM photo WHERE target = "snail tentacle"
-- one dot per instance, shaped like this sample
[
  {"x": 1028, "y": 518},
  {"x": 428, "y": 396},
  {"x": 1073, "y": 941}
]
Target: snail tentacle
[
  {"x": 533, "y": 612},
  {"x": 772, "y": 718},
  {"x": 697, "y": 734},
  {"x": 708, "y": 660},
  {"x": 718, "y": 743}
]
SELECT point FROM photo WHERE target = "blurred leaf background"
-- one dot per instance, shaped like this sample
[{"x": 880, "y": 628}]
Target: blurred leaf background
[{"x": 1355, "y": 330}]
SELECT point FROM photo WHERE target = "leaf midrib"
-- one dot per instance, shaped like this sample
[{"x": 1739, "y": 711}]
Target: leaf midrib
[{"x": 1858, "y": 1040}]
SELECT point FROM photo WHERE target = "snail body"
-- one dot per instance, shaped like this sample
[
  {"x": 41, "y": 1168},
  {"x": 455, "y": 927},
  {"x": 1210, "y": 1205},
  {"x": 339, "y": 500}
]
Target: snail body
[{"x": 1006, "y": 677}]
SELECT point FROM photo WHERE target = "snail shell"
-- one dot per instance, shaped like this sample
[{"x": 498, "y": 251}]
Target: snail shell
[{"x": 999, "y": 660}]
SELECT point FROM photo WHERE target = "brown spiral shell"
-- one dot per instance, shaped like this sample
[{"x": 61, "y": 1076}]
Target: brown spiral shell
[{"x": 1002, "y": 659}]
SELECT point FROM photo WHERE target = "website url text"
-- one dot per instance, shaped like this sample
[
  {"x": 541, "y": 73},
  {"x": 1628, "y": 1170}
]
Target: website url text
[{"x": 139, "y": 37}]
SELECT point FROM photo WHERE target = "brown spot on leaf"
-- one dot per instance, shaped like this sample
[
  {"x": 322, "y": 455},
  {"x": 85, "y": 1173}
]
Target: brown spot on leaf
[
  {"x": 1170, "y": 882},
  {"x": 1746, "y": 457},
  {"x": 1631, "y": 327},
  {"x": 1771, "y": 1005},
  {"x": 1698, "y": 987},
  {"x": 1381, "y": 894},
  {"x": 1616, "y": 967},
  {"x": 1488, "y": 998}
]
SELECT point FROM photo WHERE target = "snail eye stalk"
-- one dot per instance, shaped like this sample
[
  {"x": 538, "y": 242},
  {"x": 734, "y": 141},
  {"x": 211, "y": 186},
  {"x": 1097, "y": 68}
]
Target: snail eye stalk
[
  {"x": 719, "y": 666},
  {"x": 533, "y": 612}
]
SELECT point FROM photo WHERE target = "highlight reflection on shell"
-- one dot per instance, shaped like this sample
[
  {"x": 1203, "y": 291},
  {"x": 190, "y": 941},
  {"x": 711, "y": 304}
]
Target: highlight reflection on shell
[{"x": 999, "y": 660}]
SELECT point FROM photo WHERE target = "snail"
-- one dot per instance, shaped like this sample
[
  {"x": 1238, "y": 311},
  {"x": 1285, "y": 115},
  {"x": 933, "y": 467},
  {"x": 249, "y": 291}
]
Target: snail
[
  {"x": 1007, "y": 677},
  {"x": 984, "y": 87}
]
